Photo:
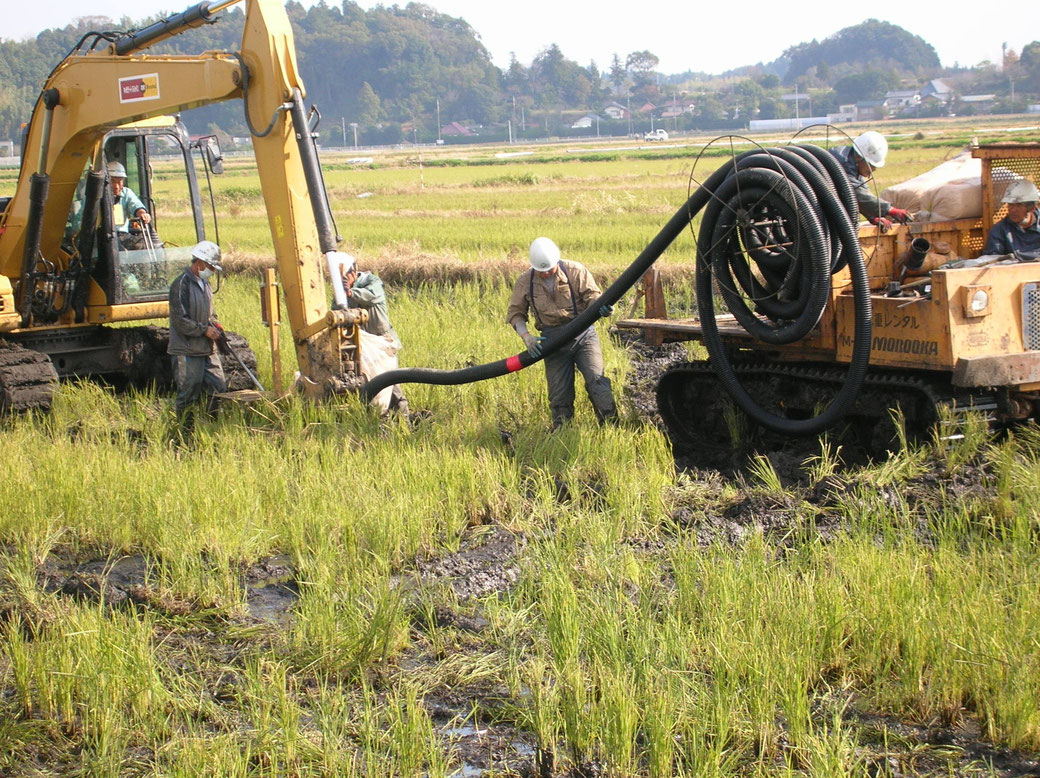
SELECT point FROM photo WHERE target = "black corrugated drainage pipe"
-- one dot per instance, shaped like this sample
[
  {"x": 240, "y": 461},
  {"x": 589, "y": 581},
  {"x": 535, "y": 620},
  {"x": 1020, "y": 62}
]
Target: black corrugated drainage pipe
[{"x": 806, "y": 188}]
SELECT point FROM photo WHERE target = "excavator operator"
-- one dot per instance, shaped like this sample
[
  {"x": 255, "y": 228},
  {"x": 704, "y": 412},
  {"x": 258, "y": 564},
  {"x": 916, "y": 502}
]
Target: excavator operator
[{"x": 127, "y": 206}]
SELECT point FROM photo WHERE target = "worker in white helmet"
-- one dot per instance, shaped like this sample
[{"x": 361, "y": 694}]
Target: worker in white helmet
[
  {"x": 556, "y": 291},
  {"x": 1018, "y": 233},
  {"x": 128, "y": 204},
  {"x": 866, "y": 154},
  {"x": 194, "y": 329}
]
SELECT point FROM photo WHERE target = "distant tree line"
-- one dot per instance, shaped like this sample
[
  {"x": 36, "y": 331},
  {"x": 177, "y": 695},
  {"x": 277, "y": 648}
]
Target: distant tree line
[{"x": 402, "y": 73}]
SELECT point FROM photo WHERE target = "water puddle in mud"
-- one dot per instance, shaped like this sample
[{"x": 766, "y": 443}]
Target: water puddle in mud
[
  {"x": 271, "y": 589},
  {"x": 485, "y": 750},
  {"x": 270, "y": 585}
]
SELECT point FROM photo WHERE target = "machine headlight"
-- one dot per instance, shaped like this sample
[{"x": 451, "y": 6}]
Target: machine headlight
[{"x": 979, "y": 301}]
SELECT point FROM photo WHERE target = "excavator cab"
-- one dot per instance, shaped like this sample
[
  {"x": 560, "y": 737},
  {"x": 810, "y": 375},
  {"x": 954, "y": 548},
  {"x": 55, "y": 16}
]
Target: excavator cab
[{"x": 134, "y": 261}]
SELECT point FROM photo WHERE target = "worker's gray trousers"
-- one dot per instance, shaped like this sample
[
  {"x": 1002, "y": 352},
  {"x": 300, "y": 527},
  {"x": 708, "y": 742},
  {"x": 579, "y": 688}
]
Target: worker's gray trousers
[
  {"x": 195, "y": 374},
  {"x": 583, "y": 353}
]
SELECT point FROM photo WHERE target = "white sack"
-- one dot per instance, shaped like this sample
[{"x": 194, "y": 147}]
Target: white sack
[
  {"x": 952, "y": 190},
  {"x": 378, "y": 355}
]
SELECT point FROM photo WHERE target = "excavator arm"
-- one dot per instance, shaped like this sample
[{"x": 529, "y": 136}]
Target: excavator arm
[{"x": 89, "y": 94}]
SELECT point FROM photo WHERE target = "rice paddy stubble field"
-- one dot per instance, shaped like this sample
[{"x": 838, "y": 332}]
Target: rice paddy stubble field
[{"x": 307, "y": 590}]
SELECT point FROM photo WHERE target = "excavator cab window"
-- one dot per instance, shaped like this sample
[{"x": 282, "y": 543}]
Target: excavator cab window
[{"x": 149, "y": 221}]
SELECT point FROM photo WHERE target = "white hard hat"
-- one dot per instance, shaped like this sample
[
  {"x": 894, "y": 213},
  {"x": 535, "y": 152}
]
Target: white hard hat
[
  {"x": 116, "y": 170},
  {"x": 208, "y": 252},
  {"x": 347, "y": 263},
  {"x": 545, "y": 255},
  {"x": 1022, "y": 191},
  {"x": 873, "y": 147}
]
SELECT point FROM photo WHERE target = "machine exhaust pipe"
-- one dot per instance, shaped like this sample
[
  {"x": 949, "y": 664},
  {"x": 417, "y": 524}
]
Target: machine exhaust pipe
[{"x": 919, "y": 249}]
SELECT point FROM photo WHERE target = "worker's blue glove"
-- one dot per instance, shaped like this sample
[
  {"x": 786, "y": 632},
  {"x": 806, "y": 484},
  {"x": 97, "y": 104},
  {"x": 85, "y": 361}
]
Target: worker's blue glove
[
  {"x": 606, "y": 310},
  {"x": 534, "y": 344}
]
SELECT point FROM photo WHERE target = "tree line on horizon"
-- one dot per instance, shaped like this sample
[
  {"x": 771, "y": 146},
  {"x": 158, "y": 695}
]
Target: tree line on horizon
[{"x": 402, "y": 73}]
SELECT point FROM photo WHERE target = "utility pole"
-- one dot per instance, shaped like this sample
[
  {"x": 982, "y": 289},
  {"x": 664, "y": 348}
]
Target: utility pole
[
  {"x": 438, "y": 120},
  {"x": 415, "y": 140},
  {"x": 343, "y": 126},
  {"x": 354, "y": 126}
]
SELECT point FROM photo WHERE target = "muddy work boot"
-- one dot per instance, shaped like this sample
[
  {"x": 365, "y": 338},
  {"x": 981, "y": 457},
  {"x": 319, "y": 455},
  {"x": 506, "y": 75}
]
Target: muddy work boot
[{"x": 398, "y": 402}]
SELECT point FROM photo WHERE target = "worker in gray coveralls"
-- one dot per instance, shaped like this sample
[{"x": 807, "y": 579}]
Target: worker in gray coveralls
[
  {"x": 194, "y": 330},
  {"x": 556, "y": 290}
]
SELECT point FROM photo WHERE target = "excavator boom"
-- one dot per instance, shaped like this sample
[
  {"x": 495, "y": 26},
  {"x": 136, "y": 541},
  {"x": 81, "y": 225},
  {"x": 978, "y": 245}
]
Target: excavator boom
[{"x": 91, "y": 93}]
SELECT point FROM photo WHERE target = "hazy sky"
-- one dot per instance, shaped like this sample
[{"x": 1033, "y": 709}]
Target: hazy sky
[{"x": 709, "y": 37}]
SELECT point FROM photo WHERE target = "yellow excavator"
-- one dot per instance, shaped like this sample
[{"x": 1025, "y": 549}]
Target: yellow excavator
[{"x": 72, "y": 265}]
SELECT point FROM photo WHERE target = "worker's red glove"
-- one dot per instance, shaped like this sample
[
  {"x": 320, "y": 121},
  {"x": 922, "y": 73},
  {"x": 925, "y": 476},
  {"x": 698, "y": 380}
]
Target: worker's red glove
[
  {"x": 882, "y": 222},
  {"x": 900, "y": 215}
]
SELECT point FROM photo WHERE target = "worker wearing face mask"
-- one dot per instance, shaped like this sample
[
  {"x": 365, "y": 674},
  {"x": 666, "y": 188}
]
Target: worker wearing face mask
[{"x": 194, "y": 330}]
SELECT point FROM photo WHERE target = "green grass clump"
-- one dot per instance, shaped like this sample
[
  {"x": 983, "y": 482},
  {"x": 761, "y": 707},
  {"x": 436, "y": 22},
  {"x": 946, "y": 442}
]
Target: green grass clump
[{"x": 526, "y": 178}]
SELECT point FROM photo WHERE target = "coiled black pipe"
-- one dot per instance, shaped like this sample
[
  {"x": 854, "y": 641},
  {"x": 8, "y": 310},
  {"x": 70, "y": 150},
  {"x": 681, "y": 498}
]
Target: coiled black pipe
[
  {"x": 806, "y": 204},
  {"x": 826, "y": 215}
]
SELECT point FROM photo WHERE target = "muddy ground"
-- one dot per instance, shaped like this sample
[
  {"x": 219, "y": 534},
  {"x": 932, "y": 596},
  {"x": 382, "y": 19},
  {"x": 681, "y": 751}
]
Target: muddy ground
[{"x": 489, "y": 561}]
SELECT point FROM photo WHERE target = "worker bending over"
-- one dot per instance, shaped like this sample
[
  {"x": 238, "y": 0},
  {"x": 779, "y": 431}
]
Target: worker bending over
[
  {"x": 1017, "y": 233},
  {"x": 866, "y": 154},
  {"x": 556, "y": 291},
  {"x": 194, "y": 330},
  {"x": 365, "y": 290}
]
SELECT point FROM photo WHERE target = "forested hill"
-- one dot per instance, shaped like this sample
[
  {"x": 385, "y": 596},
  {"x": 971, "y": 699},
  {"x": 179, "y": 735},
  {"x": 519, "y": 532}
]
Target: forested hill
[
  {"x": 389, "y": 63},
  {"x": 870, "y": 45}
]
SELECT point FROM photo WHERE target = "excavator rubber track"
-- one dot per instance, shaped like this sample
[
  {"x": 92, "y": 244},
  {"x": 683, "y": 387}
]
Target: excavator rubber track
[
  {"x": 27, "y": 379},
  {"x": 697, "y": 410}
]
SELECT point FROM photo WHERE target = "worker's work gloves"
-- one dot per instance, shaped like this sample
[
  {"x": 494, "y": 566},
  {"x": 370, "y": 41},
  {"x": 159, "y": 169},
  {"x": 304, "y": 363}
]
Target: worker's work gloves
[
  {"x": 534, "y": 344},
  {"x": 223, "y": 346},
  {"x": 881, "y": 223},
  {"x": 900, "y": 215}
]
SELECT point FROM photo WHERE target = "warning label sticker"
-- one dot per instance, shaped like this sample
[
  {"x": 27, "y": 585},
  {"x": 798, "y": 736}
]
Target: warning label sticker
[{"x": 136, "y": 88}]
